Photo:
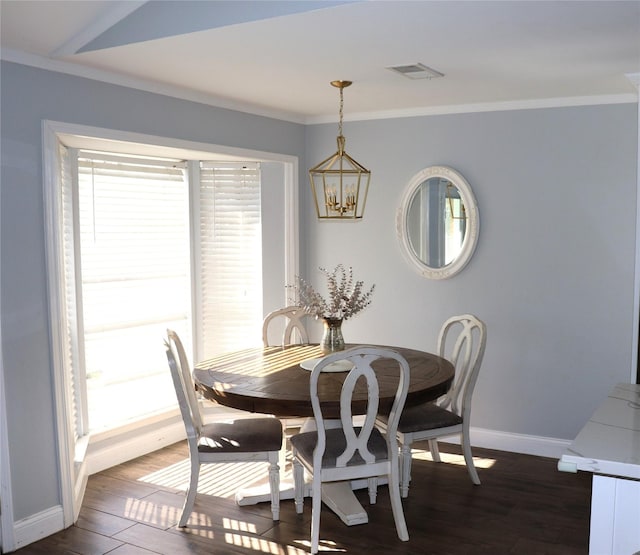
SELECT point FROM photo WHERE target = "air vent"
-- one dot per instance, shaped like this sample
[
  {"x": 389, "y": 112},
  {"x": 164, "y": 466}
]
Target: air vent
[{"x": 417, "y": 71}]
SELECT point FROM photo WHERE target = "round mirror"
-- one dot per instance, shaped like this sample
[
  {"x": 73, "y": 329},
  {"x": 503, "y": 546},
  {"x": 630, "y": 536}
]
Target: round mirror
[{"x": 437, "y": 222}]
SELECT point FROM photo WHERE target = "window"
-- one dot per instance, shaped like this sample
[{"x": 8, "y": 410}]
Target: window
[
  {"x": 133, "y": 228},
  {"x": 68, "y": 150},
  {"x": 134, "y": 269}
]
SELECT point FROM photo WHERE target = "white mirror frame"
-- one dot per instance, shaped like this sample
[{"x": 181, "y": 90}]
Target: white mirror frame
[{"x": 473, "y": 222}]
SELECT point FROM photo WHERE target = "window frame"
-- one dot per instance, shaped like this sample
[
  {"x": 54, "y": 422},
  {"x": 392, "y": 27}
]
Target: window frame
[{"x": 73, "y": 467}]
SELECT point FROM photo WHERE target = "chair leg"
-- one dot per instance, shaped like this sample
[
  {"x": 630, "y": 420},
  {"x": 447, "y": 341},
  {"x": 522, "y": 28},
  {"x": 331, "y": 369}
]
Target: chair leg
[
  {"x": 468, "y": 458},
  {"x": 405, "y": 468},
  {"x": 298, "y": 485},
  {"x": 396, "y": 504},
  {"x": 190, "y": 497},
  {"x": 433, "y": 448},
  {"x": 373, "y": 490},
  {"x": 316, "y": 506},
  {"x": 274, "y": 484}
]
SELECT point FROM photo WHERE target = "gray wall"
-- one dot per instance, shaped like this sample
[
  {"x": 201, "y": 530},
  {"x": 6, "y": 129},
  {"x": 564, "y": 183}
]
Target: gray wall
[
  {"x": 553, "y": 272},
  {"x": 28, "y": 96}
]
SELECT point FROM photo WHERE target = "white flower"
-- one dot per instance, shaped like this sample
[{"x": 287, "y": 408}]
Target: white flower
[{"x": 346, "y": 296}]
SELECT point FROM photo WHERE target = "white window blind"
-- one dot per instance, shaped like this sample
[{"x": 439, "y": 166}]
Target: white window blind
[
  {"x": 133, "y": 269},
  {"x": 73, "y": 344},
  {"x": 134, "y": 236},
  {"x": 230, "y": 256}
]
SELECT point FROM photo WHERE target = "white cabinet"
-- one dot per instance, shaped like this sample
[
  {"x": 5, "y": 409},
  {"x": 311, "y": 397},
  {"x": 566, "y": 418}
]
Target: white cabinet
[{"x": 609, "y": 447}]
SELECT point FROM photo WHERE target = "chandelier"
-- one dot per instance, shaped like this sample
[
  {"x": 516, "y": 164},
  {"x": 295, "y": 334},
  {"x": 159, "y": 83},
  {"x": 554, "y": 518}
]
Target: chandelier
[{"x": 340, "y": 184}]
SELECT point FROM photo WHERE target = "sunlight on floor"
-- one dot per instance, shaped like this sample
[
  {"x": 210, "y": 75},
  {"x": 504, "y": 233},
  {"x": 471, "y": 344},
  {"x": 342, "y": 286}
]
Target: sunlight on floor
[
  {"x": 262, "y": 545},
  {"x": 201, "y": 525},
  {"x": 239, "y": 526},
  {"x": 241, "y": 534},
  {"x": 150, "y": 512},
  {"x": 217, "y": 479},
  {"x": 451, "y": 458}
]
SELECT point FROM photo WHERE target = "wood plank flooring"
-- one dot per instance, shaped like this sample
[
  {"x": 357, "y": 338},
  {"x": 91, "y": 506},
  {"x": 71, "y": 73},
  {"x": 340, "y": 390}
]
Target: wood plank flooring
[{"x": 524, "y": 506}]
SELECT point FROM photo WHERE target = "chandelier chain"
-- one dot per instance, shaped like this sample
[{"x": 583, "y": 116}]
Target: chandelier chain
[{"x": 341, "y": 106}]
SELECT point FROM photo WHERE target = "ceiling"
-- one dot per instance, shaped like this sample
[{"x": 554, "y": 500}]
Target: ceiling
[{"x": 277, "y": 57}]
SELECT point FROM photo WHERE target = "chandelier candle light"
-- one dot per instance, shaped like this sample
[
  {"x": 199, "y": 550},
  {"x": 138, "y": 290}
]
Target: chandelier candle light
[
  {"x": 340, "y": 184},
  {"x": 346, "y": 298}
]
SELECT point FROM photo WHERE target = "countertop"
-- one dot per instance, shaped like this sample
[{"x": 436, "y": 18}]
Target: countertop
[{"x": 609, "y": 443}]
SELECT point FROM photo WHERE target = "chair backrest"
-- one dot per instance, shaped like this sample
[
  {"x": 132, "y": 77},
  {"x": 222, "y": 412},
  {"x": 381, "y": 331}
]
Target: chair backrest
[
  {"x": 293, "y": 316},
  {"x": 356, "y": 442},
  {"x": 183, "y": 384},
  {"x": 462, "y": 341}
]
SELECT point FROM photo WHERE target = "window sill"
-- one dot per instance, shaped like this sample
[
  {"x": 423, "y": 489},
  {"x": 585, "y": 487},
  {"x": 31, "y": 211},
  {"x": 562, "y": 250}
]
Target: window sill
[{"x": 122, "y": 444}]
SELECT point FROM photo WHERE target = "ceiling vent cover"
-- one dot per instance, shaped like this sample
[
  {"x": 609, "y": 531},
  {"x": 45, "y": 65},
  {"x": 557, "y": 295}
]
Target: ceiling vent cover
[{"x": 417, "y": 71}]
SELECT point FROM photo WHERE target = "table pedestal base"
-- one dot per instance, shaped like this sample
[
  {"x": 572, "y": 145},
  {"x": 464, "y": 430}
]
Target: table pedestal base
[
  {"x": 338, "y": 496},
  {"x": 261, "y": 494}
]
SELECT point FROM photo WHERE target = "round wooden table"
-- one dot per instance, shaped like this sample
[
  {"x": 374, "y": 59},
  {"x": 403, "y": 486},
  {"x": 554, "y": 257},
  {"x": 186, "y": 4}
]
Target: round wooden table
[{"x": 270, "y": 380}]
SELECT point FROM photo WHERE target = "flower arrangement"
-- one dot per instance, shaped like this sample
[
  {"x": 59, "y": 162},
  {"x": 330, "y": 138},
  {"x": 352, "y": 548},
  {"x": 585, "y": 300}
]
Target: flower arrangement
[{"x": 346, "y": 296}]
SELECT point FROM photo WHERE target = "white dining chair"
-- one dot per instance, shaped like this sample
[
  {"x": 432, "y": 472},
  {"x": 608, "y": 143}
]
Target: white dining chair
[
  {"x": 294, "y": 332},
  {"x": 237, "y": 440},
  {"x": 350, "y": 452},
  {"x": 294, "y": 318},
  {"x": 462, "y": 341}
]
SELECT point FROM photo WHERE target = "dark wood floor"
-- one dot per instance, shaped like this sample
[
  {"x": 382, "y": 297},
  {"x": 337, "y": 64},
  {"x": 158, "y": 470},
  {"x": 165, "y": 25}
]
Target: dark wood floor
[{"x": 524, "y": 506}]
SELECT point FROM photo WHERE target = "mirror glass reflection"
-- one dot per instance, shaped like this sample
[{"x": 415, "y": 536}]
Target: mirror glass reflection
[{"x": 436, "y": 222}]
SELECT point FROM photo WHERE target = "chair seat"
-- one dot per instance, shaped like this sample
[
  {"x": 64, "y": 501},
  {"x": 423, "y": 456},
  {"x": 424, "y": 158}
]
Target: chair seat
[
  {"x": 427, "y": 416},
  {"x": 305, "y": 443},
  {"x": 243, "y": 435}
]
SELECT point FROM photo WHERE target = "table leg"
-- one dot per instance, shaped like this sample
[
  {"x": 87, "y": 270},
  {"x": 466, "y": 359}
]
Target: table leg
[{"x": 339, "y": 497}]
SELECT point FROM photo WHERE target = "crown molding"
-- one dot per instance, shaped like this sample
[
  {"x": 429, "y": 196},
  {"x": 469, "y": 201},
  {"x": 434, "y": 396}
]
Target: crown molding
[
  {"x": 48, "y": 64},
  {"x": 41, "y": 62},
  {"x": 531, "y": 104}
]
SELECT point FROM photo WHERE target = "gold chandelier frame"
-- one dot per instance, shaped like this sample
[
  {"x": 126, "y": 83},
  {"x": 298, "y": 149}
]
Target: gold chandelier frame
[{"x": 339, "y": 183}]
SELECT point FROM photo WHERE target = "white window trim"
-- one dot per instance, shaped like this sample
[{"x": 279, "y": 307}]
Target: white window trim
[{"x": 52, "y": 131}]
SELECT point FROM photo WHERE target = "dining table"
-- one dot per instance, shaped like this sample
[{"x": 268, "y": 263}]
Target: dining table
[{"x": 275, "y": 381}]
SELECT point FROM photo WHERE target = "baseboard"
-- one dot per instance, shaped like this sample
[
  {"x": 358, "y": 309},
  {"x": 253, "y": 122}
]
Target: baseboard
[
  {"x": 516, "y": 443},
  {"x": 38, "y": 526}
]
